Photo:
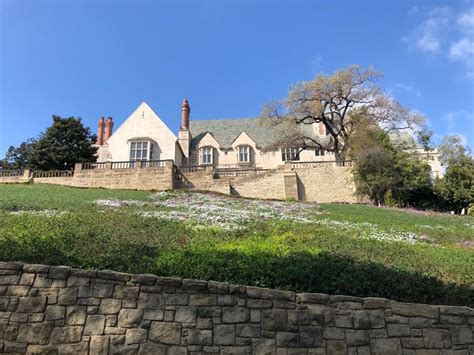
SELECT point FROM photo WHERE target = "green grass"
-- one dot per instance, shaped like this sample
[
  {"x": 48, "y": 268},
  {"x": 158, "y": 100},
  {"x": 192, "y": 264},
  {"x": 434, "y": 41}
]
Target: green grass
[{"x": 312, "y": 257}]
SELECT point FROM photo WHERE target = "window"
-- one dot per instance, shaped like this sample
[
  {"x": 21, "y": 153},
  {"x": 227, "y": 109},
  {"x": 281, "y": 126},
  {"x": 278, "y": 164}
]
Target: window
[
  {"x": 139, "y": 151},
  {"x": 243, "y": 154},
  {"x": 319, "y": 152},
  {"x": 289, "y": 154},
  {"x": 207, "y": 155}
]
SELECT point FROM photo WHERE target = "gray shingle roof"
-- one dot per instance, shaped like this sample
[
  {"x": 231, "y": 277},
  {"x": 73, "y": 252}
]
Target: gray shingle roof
[{"x": 227, "y": 130}]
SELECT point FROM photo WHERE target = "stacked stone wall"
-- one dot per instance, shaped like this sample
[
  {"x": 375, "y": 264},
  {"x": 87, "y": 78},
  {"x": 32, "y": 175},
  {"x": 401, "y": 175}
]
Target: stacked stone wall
[
  {"x": 46, "y": 309},
  {"x": 268, "y": 185},
  {"x": 14, "y": 180},
  {"x": 159, "y": 178},
  {"x": 325, "y": 184}
]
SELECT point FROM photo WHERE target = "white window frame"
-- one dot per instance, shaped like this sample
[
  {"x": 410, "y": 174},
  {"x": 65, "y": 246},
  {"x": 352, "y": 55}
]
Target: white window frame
[
  {"x": 243, "y": 154},
  {"x": 139, "y": 146},
  {"x": 290, "y": 154},
  {"x": 206, "y": 155}
]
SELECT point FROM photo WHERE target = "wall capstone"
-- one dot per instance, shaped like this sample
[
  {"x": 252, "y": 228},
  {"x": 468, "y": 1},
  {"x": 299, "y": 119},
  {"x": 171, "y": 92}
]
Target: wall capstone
[{"x": 57, "y": 309}]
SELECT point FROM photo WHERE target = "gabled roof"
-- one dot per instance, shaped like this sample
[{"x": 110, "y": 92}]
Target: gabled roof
[{"x": 227, "y": 130}]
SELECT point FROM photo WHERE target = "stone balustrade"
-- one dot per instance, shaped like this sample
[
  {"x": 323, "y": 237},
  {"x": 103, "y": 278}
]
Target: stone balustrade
[{"x": 56, "y": 309}]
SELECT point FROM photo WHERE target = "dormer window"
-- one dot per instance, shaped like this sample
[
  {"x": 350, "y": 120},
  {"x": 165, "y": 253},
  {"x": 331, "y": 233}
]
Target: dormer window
[
  {"x": 207, "y": 155},
  {"x": 290, "y": 154},
  {"x": 139, "y": 150},
  {"x": 243, "y": 154}
]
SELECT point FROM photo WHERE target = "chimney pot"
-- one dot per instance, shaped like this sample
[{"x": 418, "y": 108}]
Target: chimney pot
[{"x": 185, "y": 112}]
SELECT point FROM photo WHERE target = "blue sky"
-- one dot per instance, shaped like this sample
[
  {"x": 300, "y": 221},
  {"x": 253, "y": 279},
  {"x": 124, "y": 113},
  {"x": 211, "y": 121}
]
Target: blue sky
[{"x": 104, "y": 57}]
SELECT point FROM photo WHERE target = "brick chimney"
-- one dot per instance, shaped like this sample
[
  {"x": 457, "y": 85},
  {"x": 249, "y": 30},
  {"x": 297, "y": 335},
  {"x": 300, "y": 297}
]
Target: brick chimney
[
  {"x": 185, "y": 111},
  {"x": 184, "y": 136},
  {"x": 100, "y": 132},
  {"x": 109, "y": 125}
]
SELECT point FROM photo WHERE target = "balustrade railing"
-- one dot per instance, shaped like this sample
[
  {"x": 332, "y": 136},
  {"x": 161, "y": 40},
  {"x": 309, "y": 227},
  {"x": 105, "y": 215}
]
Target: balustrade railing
[
  {"x": 316, "y": 164},
  {"x": 11, "y": 173},
  {"x": 153, "y": 163},
  {"x": 192, "y": 169},
  {"x": 238, "y": 172},
  {"x": 53, "y": 173},
  {"x": 94, "y": 166},
  {"x": 123, "y": 164}
]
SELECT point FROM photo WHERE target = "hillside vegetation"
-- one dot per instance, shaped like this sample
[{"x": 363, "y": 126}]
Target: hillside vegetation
[{"x": 337, "y": 249}]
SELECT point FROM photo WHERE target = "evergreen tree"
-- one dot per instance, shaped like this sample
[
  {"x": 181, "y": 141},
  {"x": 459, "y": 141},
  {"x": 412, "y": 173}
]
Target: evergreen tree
[
  {"x": 19, "y": 157},
  {"x": 64, "y": 143}
]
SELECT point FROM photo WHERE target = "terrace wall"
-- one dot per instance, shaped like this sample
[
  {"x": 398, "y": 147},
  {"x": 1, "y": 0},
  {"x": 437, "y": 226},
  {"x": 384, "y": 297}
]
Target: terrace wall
[
  {"x": 56, "y": 309},
  {"x": 319, "y": 182},
  {"x": 325, "y": 183},
  {"x": 267, "y": 185},
  {"x": 15, "y": 176}
]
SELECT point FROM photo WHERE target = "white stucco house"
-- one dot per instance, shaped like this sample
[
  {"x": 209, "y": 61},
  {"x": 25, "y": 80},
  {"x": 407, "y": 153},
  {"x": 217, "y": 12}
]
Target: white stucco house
[
  {"x": 225, "y": 143},
  {"x": 222, "y": 143}
]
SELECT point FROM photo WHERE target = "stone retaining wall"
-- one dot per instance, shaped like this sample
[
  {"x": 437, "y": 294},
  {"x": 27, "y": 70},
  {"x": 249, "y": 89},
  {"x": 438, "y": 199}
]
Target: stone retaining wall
[
  {"x": 52, "y": 310},
  {"x": 325, "y": 184}
]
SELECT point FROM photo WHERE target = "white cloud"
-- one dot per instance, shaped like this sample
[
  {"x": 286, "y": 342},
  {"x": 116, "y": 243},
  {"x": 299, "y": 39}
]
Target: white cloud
[
  {"x": 445, "y": 33},
  {"x": 428, "y": 35},
  {"x": 466, "y": 21},
  {"x": 462, "y": 49}
]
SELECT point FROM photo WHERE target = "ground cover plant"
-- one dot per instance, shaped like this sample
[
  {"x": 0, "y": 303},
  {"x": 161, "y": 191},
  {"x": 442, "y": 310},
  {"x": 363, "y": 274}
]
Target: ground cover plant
[{"x": 338, "y": 249}]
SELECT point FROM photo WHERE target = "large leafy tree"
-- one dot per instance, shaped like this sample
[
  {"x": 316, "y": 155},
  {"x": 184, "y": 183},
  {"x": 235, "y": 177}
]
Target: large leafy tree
[
  {"x": 457, "y": 185},
  {"x": 19, "y": 157},
  {"x": 383, "y": 169},
  {"x": 331, "y": 100},
  {"x": 64, "y": 143}
]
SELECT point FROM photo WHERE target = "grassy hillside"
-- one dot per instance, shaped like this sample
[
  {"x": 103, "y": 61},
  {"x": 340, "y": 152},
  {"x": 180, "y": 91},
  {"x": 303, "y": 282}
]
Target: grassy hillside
[{"x": 346, "y": 249}]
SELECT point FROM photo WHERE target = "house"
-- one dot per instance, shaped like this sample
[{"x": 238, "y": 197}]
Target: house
[
  {"x": 224, "y": 143},
  {"x": 220, "y": 143}
]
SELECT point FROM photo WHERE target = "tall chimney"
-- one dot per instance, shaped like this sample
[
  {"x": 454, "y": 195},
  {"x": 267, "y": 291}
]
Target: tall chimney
[
  {"x": 185, "y": 111},
  {"x": 109, "y": 124},
  {"x": 184, "y": 135},
  {"x": 100, "y": 132}
]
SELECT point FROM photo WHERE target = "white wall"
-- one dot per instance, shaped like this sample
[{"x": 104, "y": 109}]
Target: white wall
[{"x": 142, "y": 123}]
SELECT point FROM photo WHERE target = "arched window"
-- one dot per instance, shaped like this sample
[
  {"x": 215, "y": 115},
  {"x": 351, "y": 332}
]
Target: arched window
[
  {"x": 243, "y": 154},
  {"x": 206, "y": 155}
]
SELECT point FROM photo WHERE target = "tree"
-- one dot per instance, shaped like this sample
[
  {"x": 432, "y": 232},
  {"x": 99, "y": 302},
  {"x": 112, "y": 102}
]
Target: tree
[
  {"x": 424, "y": 136},
  {"x": 19, "y": 157},
  {"x": 331, "y": 100},
  {"x": 452, "y": 150},
  {"x": 457, "y": 185},
  {"x": 386, "y": 172},
  {"x": 64, "y": 143}
]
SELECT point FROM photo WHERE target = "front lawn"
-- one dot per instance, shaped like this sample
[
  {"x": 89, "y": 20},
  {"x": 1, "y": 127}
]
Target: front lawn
[{"x": 337, "y": 249}]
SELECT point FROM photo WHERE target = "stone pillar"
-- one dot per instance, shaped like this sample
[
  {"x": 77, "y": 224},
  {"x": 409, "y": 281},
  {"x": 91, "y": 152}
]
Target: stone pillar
[
  {"x": 291, "y": 185},
  {"x": 26, "y": 173},
  {"x": 77, "y": 168}
]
